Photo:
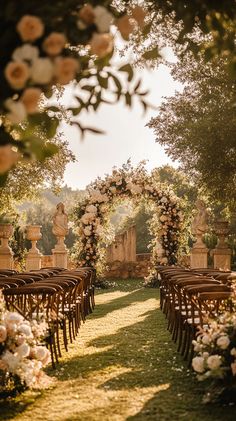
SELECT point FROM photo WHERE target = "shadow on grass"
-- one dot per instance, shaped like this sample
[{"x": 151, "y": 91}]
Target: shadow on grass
[
  {"x": 144, "y": 357},
  {"x": 139, "y": 295},
  {"x": 12, "y": 407},
  {"x": 148, "y": 359}
]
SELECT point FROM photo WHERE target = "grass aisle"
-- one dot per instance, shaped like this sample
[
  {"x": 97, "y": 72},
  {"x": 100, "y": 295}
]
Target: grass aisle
[{"x": 123, "y": 366}]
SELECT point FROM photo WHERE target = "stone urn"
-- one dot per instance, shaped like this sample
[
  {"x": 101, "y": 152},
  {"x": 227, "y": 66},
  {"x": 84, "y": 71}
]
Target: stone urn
[
  {"x": 33, "y": 234},
  {"x": 221, "y": 229},
  {"x": 6, "y": 231}
]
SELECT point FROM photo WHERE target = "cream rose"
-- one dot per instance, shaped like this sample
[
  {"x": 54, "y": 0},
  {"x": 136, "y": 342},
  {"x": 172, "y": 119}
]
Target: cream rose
[
  {"x": 30, "y": 28},
  {"x": 87, "y": 15},
  {"x": 103, "y": 19},
  {"x": 91, "y": 209},
  {"x": 125, "y": 26},
  {"x": 139, "y": 15},
  {"x": 17, "y": 74},
  {"x": 42, "y": 71},
  {"x": 223, "y": 342},
  {"x": 54, "y": 43},
  {"x": 30, "y": 98},
  {"x": 25, "y": 53},
  {"x": 17, "y": 112},
  {"x": 23, "y": 350},
  {"x": 214, "y": 362},
  {"x": 101, "y": 44},
  {"x": 198, "y": 364},
  {"x": 65, "y": 70}
]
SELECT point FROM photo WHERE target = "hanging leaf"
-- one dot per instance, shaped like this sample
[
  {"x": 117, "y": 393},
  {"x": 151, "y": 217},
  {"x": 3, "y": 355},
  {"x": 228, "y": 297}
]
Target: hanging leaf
[
  {"x": 127, "y": 68},
  {"x": 151, "y": 54}
]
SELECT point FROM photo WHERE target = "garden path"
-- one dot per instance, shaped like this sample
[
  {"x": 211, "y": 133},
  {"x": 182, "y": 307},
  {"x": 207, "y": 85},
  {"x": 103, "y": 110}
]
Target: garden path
[{"x": 123, "y": 366}]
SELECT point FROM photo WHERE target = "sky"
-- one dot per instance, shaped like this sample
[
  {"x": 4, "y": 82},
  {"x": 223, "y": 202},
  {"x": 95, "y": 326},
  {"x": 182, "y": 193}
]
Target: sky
[{"x": 126, "y": 135}]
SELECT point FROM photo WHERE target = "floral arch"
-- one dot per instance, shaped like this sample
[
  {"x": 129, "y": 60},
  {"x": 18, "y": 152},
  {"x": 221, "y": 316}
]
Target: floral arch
[{"x": 92, "y": 215}]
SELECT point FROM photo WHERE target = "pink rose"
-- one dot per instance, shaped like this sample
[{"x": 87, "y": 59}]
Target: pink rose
[
  {"x": 3, "y": 333},
  {"x": 125, "y": 26},
  {"x": 30, "y": 28},
  {"x": 66, "y": 69},
  {"x": 54, "y": 43},
  {"x": 8, "y": 158},
  {"x": 30, "y": 99},
  {"x": 87, "y": 15},
  {"x": 139, "y": 15},
  {"x": 101, "y": 44},
  {"x": 17, "y": 74}
]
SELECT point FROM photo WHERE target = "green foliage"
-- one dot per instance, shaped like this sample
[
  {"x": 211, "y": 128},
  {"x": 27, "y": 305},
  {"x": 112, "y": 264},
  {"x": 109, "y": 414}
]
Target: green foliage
[
  {"x": 198, "y": 127},
  {"x": 197, "y": 26},
  {"x": 26, "y": 181}
]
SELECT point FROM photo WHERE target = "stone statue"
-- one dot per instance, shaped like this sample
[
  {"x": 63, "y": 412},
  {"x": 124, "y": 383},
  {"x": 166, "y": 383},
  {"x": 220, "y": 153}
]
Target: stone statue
[
  {"x": 200, "y": 222},
  {"x": 60, "y": 223}
]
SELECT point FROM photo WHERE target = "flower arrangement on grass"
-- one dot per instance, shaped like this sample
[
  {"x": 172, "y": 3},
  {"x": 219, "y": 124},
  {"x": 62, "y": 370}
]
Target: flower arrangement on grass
[
  {"x": 215, "y": 347},
  {"x": 92, "y": 215},
  {"x": 22, "y": 353},
  {"x": 48, "y": 45}
]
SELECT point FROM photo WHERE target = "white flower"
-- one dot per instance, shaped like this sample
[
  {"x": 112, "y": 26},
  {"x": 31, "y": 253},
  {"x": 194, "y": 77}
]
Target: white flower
[
  {"x": 87, "y": 231},
  {"x": 25, "y": 53},
  {"x": 12, "y": 360},
  {"x": 233, "y": 352},
  {"x": 112, "y": 189},
  {"x": 233, "y": 368},
  {"x": 23, "y": 350},
  {"x": 99, "y": 230},
  {"x": 91, "y": 209},
  {"x": 87, "y": 218},
  {"x": 103, "y": 19},
  {"x": 17, "y": 112},
  {"x": 197, "y": 346},
  {"x": 206, "y": 339},
  {"x": 13, "y": 318},
  {"x": 42, "y": 71},
  {"x": 198, "y": 364},
  {"x": 25, "y": 329},
  {"x": 41, "y": 353},
  {"x": 223, "y": 342},
  {"x": 214, "y": 362},
  {"x": 136, "y": 189}
]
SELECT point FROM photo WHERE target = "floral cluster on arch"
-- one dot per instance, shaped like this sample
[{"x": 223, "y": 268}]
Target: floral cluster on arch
[{"x": 92, "y": 214}]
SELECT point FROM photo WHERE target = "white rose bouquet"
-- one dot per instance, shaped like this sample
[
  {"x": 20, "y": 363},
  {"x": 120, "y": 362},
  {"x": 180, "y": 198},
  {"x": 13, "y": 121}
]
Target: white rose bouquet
[
  {"x": 22, "y": 353},
  {"x": 215, "y": 358}
]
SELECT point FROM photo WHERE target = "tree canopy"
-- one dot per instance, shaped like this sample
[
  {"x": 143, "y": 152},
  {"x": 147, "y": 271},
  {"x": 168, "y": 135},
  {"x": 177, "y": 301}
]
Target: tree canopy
[{"x": 197, "y": 127}]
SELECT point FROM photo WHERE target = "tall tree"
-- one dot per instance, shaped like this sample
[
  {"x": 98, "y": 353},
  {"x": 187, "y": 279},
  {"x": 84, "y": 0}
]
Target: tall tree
[{"x": 198, "y": 127}]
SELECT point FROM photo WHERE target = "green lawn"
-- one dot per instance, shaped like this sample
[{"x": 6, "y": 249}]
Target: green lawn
[{"x": 123, "y": 366}]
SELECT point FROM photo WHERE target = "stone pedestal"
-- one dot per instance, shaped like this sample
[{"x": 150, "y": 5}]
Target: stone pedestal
[
  {"x": 222, "y": 254},
  {"x": 60, "y": 257},
  {"x": 222, "y": 259},
  {"x": 33, "y": 258},
  {"x": 198, "y": 257},
  {"x": 6, "y": 254}
]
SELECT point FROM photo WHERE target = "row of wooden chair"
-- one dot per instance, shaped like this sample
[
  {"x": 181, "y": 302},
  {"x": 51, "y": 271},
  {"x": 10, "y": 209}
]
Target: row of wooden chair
[
  {"x": 63, "y": 297},
  {"x": 189, "y": 298}
]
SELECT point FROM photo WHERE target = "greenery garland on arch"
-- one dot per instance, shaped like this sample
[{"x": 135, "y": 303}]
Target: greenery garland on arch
[{"x": 92, "y": 215}]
